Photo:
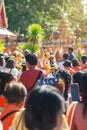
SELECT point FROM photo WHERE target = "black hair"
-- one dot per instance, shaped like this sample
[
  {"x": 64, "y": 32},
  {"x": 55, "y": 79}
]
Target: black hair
[
  {"x": 31, "y": 58},
  {"x": 15, "y": 92},
  {"x": 67, "y": 63},
  {"x": 42, "y": 107},
  {"x": 75, "y": 62},
  {"x": 84, "y": 59},
  {"x": 83, "y": 88},
  {"x": 77, "y": 77},
  {"x": 4, "y": 78},
  {"x": 10, "y": 63},
  {"x": 70, "y": 48},
  {"x": 66, "y": 76},
  {"x": 65, "y": 55}
]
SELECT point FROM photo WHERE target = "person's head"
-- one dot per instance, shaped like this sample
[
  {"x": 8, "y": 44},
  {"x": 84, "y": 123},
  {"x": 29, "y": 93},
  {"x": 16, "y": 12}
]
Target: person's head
[
  {"x": 75, "y": 62},
  {"x": 10, "y": 63},
  {"x": 84, "y": 59},
  {"x": 77, "y": 77},
  {"x": 67, "y": 63},
  {"x": 65, "y": 56},
  {"x": 43, "y": 109},
  {"x": 15, "y": 93},
  {"x": 31, "y": 59},
  {"x": 66, "y": 76},
  {"x": 5, "y": 78},
  {"x": 70, "y": 50}
]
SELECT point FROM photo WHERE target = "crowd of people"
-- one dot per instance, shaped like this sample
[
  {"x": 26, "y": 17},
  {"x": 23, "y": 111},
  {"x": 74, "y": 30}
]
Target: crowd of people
[{"x": 36, "y": 93}]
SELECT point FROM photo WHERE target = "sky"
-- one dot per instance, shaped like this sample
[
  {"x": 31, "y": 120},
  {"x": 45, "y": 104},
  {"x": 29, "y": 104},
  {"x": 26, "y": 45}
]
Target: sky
[{"x": 84, "y": 2}]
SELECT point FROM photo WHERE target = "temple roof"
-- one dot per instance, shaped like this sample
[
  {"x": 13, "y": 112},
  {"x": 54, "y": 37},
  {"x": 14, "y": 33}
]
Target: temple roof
[
  {"x": 3, "y": 19},
  {"x": 5, "y": 32}
]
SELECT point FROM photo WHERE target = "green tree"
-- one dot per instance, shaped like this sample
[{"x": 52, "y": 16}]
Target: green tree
[
  {"x": 47, "y": 13},
  {"x": 34, "y": 33},
  {"x": 34, "y": 36}
]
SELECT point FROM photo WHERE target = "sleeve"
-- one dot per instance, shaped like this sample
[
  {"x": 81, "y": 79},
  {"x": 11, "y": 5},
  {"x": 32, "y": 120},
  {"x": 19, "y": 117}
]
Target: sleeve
[{"x": 44, "y": 74}]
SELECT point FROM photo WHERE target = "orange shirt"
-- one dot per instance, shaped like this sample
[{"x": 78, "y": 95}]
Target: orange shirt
[
  {"x": 70, "y": 69},
  {"x": 84, "y": 66},
  {"x": 8, "y": 121},
  {"x": 77, "y": 68},
  {"x": 2, "y": 101}
]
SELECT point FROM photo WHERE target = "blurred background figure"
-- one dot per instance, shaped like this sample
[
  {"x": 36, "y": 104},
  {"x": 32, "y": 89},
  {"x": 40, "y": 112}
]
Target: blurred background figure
[{"x": 11, "y": 68}]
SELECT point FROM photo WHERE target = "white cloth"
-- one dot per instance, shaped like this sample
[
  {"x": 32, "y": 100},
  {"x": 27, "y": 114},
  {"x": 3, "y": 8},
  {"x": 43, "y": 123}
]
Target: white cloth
[
  {"x": 13, "y": 71},
  {"x": 60, "y": 65},
  {"x": 1, "y": 126}
]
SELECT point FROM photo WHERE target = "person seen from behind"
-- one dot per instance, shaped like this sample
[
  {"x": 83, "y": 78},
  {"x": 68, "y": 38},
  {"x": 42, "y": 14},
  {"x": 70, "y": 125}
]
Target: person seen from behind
[
  {"x": 40, "y": 113},
  {"x": 15, "y": 94},
  {"x": 32, "y": 74},
  {"x": 79, "y": 110},
  {"x": 71, "y": 53}
]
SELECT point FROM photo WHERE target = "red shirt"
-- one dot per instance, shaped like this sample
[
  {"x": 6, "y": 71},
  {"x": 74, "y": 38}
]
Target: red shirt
[{"x": 28, "y": 77}]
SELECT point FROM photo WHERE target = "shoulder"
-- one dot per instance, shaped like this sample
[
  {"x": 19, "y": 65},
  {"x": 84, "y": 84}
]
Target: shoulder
[
  {"x": 15, "y": 69},
  {"x": 70, "y": 111},
  {"x": 64, "y": 123},
  {"x": 44, "y": 73},
  {"x": 18, "y": 121}
]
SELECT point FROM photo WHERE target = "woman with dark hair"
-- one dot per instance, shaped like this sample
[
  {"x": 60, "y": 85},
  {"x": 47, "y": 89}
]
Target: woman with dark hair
[
  {"x": 68, "y": 66},
  {"x": 66, "y": 76},
  {"x": 77, "y": 77},
  {"x": 76, "y": 65},
  {"x": 79, "y": 110},
  {"x": 40, "y": 113}
]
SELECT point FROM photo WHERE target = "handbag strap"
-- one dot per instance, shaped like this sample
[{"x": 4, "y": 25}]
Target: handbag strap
[
  {"x": 7, "y": 115},
  {"x": 72, "y": 116},
  {"x": 10, "y": 70},
  {"x": 38, "y": 76}
]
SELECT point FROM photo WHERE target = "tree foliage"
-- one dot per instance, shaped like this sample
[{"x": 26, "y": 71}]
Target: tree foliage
[
  {"x": 34, "y": 33},
  {"x": 47, "y": 13}
]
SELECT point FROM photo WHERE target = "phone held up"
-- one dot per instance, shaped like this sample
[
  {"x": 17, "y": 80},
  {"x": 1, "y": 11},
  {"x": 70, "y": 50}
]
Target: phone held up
[{"x": 74, "y": 90}]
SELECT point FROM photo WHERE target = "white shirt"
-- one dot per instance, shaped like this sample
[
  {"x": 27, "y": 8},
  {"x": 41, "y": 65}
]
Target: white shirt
[
  {"x": 60, "y": 65},
  {"x": 1, "y": 126},
  {"x": 13, "y": 71}
]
